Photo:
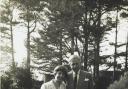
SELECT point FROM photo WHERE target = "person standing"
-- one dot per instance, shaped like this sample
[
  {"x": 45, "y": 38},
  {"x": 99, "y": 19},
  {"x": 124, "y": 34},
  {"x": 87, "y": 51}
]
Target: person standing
[
  {"x": 60, "y": 73},
  {"x": 77, "y": 78}
]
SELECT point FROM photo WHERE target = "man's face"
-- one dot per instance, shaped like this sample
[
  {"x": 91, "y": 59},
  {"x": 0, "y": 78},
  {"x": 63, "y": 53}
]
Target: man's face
[{"x": 75, "y": 65}]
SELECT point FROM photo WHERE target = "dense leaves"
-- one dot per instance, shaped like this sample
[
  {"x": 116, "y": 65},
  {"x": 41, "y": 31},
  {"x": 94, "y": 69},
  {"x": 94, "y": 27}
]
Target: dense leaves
[
  {"x": 63, "y": 26},
  {"x": 21, "y": 80}
]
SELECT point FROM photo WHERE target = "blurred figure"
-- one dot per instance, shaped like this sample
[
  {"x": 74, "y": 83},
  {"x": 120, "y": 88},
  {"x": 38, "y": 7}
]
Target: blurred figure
[
  {"x": 77, "y": 78},
  {"x": 60, "y": 73}
]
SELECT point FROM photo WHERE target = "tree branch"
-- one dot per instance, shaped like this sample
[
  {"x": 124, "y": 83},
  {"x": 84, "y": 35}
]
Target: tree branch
[{"x": 35, "y": 25}]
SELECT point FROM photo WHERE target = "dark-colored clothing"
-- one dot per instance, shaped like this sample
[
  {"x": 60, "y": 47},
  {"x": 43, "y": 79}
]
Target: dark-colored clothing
[{"x": 84, "y": 80}]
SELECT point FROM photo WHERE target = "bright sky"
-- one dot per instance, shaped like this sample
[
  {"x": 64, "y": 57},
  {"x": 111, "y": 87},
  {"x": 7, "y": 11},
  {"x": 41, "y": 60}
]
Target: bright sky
[{"x": 19, "y": 42}]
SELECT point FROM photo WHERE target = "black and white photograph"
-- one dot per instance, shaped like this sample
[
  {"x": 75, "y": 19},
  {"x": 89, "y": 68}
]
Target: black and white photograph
[{"x": 63, "y": 44}]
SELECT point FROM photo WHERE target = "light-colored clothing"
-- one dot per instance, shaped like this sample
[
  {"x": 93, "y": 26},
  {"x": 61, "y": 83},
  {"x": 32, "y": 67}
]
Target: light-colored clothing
[
  {"x": 84, "y": 80},
  {"x": 50, "y": 85}
]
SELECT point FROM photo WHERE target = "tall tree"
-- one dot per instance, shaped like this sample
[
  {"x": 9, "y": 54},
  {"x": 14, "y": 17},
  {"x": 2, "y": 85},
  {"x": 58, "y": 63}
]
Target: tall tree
[
  {"x": 7, "y": 19},
  {"x": 29, "y": 20},
  {"x": 115, "y": 55}
]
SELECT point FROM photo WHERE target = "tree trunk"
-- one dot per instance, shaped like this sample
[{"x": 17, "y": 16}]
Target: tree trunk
[
  {"x": 86, "y": 36},
  {"x": 97, "y": 59},
  {"x": 11, "y": 31},
  {"x": 28, "y": 40},
  {"x": 61, "y": 59},
  {"x": 126, "y": 54},
  {"x": 115, "y": 54},
  {"x": 12, "y": 46},
  {"x": 72, "y": 41},
  {"x": 28, "y": 47},
  {"x": 97, "y": 46}
]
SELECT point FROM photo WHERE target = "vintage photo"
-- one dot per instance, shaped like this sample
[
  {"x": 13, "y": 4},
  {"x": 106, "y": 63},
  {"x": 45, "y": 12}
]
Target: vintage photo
[{"x": 63, "y": 44}]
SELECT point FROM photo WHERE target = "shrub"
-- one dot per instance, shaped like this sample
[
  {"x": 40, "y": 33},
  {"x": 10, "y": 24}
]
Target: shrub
[
  {"x": 122, "y": 83},
  {"x": 19, "y": 78}
]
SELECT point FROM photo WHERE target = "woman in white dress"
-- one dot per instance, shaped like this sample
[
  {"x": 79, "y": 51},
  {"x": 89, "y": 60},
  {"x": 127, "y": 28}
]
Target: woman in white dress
[{"x": 60, "y": 73}]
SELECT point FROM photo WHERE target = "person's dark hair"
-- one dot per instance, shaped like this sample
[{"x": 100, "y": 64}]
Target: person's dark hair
[{"x": 60, "y": 68}]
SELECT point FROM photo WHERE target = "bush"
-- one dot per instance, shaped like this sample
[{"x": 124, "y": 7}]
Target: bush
[
  {"x": 17, "y": 79},
  {"x": 6, "y": 82},
  {"x": 23, "y": 78},
  {"x": 122, "y": 83}
]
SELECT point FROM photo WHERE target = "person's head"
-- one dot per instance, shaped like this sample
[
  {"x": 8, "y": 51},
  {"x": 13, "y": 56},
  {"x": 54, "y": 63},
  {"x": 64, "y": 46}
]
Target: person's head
[
  {"x": 74, "y": 62},
  {"x": 60, "y": 73}
]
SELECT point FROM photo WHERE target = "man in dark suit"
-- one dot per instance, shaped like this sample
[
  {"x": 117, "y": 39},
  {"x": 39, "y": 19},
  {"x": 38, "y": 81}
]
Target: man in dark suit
[{"x": 77, "y": 78}]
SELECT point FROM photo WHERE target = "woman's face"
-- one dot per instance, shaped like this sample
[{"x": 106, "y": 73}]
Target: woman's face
[{"x": 59, "y": 76}]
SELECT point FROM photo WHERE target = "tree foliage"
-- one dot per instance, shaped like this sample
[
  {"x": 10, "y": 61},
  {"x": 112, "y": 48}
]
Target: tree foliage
[{"x": 66, "y": 26}]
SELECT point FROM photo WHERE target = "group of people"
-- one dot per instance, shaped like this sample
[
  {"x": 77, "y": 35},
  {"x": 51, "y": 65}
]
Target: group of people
[{"x": 74, "y": 79}]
